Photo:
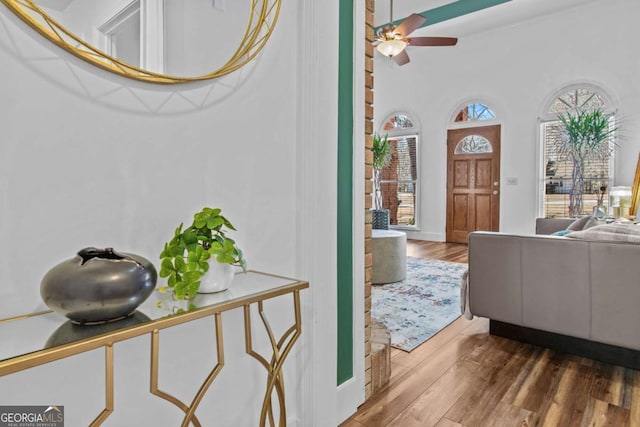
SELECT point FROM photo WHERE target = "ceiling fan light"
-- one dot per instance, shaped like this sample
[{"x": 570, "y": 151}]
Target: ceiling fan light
[{"x": 391, "y": 47}]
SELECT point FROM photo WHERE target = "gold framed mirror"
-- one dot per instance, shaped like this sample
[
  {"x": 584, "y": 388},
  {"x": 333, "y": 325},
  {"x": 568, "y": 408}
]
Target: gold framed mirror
[
  {"x": 635, "y": 193},
  {"x": 262, "y": 17}
]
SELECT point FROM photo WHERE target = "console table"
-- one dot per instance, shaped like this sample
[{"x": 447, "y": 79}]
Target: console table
[{"x": 250, "y": 288}]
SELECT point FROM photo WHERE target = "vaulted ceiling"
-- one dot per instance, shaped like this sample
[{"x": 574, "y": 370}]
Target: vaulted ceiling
[
  {"x": 464, "y": 17},
  {"x": 438, "y": 10}
]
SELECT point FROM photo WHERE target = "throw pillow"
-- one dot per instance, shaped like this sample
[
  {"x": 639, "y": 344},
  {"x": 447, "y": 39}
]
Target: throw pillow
[
  {"x": 579, "y": 223},
  {"x": 561, "y": 232},
  {"x": 610, "y": 232},
  {"x": 593, "y": 222}
]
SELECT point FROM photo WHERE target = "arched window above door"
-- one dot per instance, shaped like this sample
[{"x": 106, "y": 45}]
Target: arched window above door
[{"x": 474, "y": 112}]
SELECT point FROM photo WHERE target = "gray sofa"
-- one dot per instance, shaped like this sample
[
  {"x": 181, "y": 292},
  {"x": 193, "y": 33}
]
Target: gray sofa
[{"x": 577, "y": 296}]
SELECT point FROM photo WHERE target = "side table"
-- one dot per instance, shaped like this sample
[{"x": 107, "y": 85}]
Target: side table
[{"x": 389, "y": 250}]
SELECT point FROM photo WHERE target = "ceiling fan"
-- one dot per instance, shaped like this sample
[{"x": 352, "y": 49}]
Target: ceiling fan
[{"x": 392, "y": 40}]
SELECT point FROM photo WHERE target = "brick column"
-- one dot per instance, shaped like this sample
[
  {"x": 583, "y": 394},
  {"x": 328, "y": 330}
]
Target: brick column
[{"x": 368, "y": 189}]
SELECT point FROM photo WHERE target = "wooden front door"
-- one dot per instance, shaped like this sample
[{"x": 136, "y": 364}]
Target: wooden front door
[{"x": 473, "y": 181}]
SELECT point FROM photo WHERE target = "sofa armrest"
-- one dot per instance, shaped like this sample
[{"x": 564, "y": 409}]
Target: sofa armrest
[
  {"x": 551, "y": 225},
  {"x": 495, "y": 289}
]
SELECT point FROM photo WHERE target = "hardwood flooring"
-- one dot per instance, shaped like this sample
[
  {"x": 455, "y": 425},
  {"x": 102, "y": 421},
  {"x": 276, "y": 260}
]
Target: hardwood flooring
[
  {"x": 465, "y": 377},
  {"x": 453, "y": 252}
]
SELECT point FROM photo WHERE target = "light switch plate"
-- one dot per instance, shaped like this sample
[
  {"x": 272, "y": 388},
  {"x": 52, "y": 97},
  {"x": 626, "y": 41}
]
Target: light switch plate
[{"x": 512, "y": 180}]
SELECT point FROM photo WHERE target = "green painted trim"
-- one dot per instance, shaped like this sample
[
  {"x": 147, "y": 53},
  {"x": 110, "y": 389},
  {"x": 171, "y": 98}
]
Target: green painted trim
[
  {"x": 345, "y": 193},
  {"x": 453, "y": 10}
]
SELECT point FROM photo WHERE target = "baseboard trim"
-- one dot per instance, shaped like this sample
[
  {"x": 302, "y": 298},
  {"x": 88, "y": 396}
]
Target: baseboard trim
[
  {"x": 566, "y": 344},
  {"x": 419, "y": 235},
  {"x": 350, "y": 395}
]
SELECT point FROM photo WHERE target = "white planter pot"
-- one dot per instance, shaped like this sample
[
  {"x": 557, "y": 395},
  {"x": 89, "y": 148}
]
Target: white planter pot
[{"x": 217, "y": 279}]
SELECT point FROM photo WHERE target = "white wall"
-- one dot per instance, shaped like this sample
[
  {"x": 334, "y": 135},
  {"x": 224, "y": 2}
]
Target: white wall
[
  {"x": 195, "y": 20},
  {"x": 515, "y": 70},
  {"x": 89, "y": 158}
]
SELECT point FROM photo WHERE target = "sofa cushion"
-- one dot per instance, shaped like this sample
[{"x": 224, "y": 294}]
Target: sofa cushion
[{"x": 609, "y": 232}]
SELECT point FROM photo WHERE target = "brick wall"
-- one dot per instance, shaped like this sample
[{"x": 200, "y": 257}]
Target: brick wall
[
  {"x": 390, "y": 189},
  {"x": 368, "y": 188}
]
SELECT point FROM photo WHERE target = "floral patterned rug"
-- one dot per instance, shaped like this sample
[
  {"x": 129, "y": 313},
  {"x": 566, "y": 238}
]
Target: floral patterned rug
[{"x": 418, "y": 307}]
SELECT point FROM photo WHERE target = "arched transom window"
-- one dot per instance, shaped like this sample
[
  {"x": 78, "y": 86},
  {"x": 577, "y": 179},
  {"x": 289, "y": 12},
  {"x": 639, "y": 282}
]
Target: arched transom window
[
  {"x": 577, "y": 99},
  {"x": 474, "y": 112},
  {"x": 398, "y": 121}
]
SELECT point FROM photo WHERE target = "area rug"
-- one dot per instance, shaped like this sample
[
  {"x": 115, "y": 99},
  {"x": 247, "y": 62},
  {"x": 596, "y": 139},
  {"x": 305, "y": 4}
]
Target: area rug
[{"x": 418, "y": 307}]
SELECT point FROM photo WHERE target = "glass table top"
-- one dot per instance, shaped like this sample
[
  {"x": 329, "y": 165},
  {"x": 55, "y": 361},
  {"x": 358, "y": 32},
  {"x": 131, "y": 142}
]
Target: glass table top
[{"x": 23, "y": 335}]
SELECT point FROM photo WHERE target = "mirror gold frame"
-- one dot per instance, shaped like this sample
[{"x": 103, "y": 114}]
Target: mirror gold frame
[
  {"x": 635, "y": 193},
  {"x": 263, "y": 16}
]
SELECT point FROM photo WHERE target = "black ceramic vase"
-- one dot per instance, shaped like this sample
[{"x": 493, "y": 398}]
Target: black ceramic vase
[{"x": 98, "y": 285}]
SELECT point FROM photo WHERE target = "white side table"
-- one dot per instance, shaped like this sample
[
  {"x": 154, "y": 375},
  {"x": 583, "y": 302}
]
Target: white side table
[{"x": 389, "y": 250}]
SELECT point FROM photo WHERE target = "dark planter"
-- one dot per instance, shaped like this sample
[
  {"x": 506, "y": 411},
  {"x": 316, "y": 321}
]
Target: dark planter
[
  {"x": 98, "y": 285},
  {"x": 380, "y": 219}
]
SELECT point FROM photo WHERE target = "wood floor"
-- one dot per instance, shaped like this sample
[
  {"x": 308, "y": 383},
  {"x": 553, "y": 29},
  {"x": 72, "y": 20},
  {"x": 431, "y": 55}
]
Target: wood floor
[
  {"x": 465, "y": 377},
  {"x": 454, "y": 252}
]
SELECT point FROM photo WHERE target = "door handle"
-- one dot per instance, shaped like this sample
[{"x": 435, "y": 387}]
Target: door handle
[{"x": 495, "y": 192}]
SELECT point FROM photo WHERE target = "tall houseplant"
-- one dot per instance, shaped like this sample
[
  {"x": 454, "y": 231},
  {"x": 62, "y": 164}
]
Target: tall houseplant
[
  {"x": 584, "y": 135},
  {"x": 186, "y": 257},
  {"x": 382, "y": 152}
]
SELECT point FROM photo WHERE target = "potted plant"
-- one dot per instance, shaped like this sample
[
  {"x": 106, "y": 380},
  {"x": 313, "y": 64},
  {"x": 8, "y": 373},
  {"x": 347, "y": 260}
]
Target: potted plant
[
  {"x": 382, "y": 152},
  {"x": 584, "y": 135},
  {"x": 200, "y": 255}
]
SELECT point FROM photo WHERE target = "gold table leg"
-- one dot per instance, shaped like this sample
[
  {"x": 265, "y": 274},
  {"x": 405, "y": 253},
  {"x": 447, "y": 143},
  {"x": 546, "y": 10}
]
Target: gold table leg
[
  {"x": 190, "y": 416},
  {"x": 108, "y": 369},
  {"x": 280, "y": 349}
]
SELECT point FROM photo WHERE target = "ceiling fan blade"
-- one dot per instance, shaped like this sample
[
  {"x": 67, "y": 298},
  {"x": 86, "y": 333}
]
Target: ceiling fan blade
[
  {"x": 402, "y": 58},
  {"x": 432, "y": 41},
  {"x": 410, "y": 23}
]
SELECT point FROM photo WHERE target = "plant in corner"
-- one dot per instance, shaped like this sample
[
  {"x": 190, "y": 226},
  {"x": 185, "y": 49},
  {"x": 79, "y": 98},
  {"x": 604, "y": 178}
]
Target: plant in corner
[
  {"x": 186, "y": 257},
  {"x": 585, "y": 135},
  {"x": 382, "y": 152}
]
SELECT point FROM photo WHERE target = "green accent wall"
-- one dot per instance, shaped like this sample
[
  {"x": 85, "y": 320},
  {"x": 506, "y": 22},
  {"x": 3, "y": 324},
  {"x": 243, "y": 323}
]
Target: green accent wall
[
  {"x": 345, "y": 193},
  {"x": 453, "y": 10}
]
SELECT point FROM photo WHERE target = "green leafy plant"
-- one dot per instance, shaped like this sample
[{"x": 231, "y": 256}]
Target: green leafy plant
[
  {"x": 584, "y": 135},
  {"x": 185, "y": 258},
  {"x": 382, "y": 152}
]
